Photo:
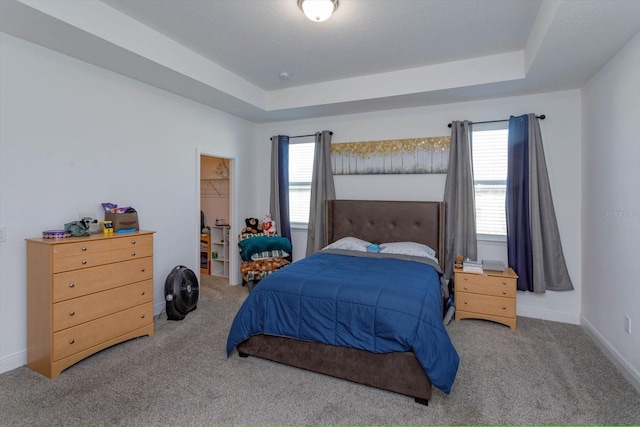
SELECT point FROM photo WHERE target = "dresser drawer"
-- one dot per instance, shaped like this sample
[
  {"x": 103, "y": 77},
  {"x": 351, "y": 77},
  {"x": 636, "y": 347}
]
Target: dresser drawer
[
  {"x": 131, "y": 253},
  {"x": 81, "y": 261},
  {"x": 73, "y": 284},
  {"x": 482, "y": 279},
  {"x": 73, "y": 340},
  {"x": 508, "y": 291},
  {"x": 485, "y": 304},
  {"x": 132, "y": 241},
  {"x": 79, "y": 310},
  {"x": 80, "y": 248}
]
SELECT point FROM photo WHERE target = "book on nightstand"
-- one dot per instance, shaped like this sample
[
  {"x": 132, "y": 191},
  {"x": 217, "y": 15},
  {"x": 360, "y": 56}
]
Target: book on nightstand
[
  {"x": 469, "y": 266},
  {"x": 489, "y": 265}
]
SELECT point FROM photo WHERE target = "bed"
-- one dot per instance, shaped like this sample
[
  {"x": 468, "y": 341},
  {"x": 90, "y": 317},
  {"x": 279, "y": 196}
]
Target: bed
[{"x": 404, "y": 347}]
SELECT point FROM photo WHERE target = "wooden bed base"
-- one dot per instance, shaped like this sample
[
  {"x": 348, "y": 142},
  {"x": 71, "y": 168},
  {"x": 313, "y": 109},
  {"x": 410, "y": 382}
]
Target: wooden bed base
[{"x": 377, "y": 222}]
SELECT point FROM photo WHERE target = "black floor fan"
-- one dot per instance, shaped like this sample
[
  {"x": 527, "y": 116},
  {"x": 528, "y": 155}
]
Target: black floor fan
[{"x": 181, "y": 291}]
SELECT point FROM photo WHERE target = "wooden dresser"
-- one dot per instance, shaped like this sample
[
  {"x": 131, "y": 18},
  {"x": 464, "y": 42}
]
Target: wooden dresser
[
  {"x": 85, "y": 294},
  {"x": 489, "y": 296}
]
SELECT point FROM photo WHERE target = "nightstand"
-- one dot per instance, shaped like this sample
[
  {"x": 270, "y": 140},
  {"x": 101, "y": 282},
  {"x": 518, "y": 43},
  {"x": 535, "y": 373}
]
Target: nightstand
[{"x": 489, "y": 296}]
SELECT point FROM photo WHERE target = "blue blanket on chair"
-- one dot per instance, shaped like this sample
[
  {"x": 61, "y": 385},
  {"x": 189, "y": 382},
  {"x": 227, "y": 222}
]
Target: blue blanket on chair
[{"x": 377, "y": 302}]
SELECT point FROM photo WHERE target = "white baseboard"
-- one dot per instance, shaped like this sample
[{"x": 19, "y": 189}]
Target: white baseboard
[
  {"x": 629, "y": 372},
  {"x": 554, "y": 316},
  {"x": 13, "y": 361}
]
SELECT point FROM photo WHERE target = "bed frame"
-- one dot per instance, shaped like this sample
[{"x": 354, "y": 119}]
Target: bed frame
[{"x": 377, "y": 222}]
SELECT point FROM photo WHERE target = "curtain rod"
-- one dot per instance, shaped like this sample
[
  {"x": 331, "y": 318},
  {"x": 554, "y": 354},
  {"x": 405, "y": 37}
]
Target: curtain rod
[
  {"x": 541, "y": 117},
  {"x": 301, "y": 136}
]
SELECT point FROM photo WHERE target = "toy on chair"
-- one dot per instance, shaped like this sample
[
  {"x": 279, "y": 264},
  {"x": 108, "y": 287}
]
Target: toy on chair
[{"x": 268, "y": 225}]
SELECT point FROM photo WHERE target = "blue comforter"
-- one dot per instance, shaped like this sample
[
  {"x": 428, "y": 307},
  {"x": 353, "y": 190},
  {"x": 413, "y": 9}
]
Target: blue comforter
[{"x": 377, "y": 302}]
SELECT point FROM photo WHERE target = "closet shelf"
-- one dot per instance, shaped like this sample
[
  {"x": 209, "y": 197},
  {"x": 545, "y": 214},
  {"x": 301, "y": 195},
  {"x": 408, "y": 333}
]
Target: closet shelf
[{"x": 213, "y": 187}]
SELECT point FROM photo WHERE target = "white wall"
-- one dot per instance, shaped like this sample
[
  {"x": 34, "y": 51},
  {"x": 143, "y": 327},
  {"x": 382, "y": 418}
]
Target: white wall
[
  {"x": 72, "y": 136},
  {"x": 611, "y": 207},
  {"x": 561, "y": 132}
]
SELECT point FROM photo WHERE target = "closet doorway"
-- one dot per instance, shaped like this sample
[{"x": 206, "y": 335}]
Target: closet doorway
[{"x": 215, "y": 216}]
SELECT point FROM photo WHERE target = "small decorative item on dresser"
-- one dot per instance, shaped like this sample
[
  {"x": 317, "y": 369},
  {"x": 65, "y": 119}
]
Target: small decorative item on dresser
[
  {"x": 488, "y": 296},
  {"x": 55, "y": 234}
]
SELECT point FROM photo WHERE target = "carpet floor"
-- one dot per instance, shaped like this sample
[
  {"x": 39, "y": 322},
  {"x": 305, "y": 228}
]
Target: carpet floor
[{"x": 544, "y": 373}]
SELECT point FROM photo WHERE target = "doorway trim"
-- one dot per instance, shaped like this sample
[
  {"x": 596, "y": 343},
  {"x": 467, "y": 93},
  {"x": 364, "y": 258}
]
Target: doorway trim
[{"x": 234, "y": 268}]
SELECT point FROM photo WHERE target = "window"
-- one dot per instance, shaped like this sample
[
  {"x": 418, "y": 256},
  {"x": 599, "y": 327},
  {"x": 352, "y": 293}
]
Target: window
[
  {"x": 300, "y": 175},
  {"x": 489, "y": 152}
]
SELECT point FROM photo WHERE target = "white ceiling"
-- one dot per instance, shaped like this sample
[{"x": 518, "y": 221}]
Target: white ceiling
[{"x": 370, "y": 55}]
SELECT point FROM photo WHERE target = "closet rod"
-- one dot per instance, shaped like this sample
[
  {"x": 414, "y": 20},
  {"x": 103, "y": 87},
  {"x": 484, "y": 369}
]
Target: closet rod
[
  {"x": 301, "y": 136},
  {"x": 541, "y": 117}
]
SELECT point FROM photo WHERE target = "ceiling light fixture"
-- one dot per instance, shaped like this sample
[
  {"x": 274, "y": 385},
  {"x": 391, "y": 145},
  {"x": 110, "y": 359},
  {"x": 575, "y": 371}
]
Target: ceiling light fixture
[{"x": 318, "y": 10}]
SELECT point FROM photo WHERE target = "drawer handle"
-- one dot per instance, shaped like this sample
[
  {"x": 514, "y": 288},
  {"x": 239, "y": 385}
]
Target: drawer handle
[
  {"x": 504, "y": 307},
  {"x": 504, "y": 292},
  {"x": 142, "y": 316},
  {"x": 466, "y": 278},
  {"x": 142, "y": 269},
  {"x": 84, "y": 249},
  {"x": 133, "y": 254},
  {"x": 142, "y": 293},
  {"x": 466, "y": 288},
  {"x": 84, "y": 261},
  {"x": 72, "y": 285},
  {"x": 72, "y": 341},
  {"x": 466, "y": 302},
  {"x": 504, "y": 282},
  {"x": 72, "y": 313},
  {"x": 133, "y": 242}
]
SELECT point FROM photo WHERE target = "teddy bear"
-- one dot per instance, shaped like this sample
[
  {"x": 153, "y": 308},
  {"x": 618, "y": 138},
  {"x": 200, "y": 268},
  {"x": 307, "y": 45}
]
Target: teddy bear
[
  {"x": 268, "y": 225},
  {"x": 253, "y": 227}
]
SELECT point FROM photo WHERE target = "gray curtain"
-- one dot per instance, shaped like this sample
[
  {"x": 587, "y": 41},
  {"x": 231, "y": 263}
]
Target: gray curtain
[
  {"x": 322, "y": 189},
  {"x": 549, "y": 267},
  {"x": 459, "y": 197}
]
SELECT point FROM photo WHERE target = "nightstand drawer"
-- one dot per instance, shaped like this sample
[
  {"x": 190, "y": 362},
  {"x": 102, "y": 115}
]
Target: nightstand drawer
[
  {"x": 482, "y": 279},
  {"x": 485, "y": 304},
  {"x": 508, "y": 291}
]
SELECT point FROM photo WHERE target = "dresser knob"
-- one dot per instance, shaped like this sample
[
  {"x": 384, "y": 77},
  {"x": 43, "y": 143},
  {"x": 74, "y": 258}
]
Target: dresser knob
[
  {"x": 84, "y": 249},
  {"x": 504, "y": 307},
  {"x": 133, "y": 254},
  {"x": 133, "y": 242},
  {"x": 466, "y": 302},
  {"x": 504, "y": 292},
  {"x": 142, "y": 269},
  {"x": 466, "y": 278},
  {"x": 142, "y": 316},
  {"x": 466, "y": 288},
  {"x": 72, "y": 313},
  {"x": 72, "y": 285},
  {"x": 84, "y": 261},
  {"x": 72, "y": 341},
  {"x": 142, "y": 293},
  {"x": 504, "y": 282}
]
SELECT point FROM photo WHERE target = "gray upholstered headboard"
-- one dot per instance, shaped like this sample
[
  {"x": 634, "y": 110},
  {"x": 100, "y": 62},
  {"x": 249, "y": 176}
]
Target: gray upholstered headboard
[{"x": 381, "y": 221}]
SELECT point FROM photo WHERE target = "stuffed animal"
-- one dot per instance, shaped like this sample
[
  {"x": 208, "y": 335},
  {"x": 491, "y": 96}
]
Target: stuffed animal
[
  {"x": 252, "y": 226},
  {"x": 268, "y": 225}
]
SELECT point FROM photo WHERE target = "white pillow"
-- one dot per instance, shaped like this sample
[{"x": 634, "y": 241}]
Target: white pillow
[
  {"x": 349, "y": 244},
  {"x": 408, "y": 248}
]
